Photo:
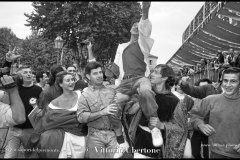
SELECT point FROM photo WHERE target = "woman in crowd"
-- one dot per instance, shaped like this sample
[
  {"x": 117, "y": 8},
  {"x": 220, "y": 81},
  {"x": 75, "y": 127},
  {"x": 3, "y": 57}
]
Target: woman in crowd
[
  {"x": 53, "y": 91},
  {"x": 60, "y": 134},
  {"x": 46, "y": 96},
  {"x": 172, "y": 113}
]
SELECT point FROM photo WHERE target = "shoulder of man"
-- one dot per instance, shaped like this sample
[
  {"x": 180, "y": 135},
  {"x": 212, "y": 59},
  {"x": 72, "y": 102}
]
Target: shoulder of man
[
  {"x": 87, "y": 92},
  {"x": 213, "y": 97},
  {"x": 37, "y": 88}
]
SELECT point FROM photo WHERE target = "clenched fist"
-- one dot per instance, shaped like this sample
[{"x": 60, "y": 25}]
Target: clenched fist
[
  {"x": 109, "y": 110},
  {"x": 146, "y": 5}
]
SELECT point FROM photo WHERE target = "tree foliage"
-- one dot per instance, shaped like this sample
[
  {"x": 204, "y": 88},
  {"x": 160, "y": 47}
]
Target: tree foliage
[
  {"x": 7, "y": 38},
  {"x": 108, "y": 23},
  {"x": 38, "y": 52}
]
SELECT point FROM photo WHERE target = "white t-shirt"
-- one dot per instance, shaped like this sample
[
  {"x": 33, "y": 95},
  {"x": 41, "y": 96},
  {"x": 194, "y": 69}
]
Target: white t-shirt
[{"x": 73, "y": 146}]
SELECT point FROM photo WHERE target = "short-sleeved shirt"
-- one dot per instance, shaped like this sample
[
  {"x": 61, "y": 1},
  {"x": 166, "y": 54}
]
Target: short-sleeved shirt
[{"x": 6, "y": 119}]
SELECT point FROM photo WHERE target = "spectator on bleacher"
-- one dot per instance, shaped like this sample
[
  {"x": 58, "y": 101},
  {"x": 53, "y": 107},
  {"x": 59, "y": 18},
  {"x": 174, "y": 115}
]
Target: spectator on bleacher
[
  {"x": 211, "y": 70},
  {"x": 220, "y": 58},
  {"x": 191, "y": 71},
  {"x": 208, "y": 68},
  {"x": 198, "y": 73},
  {"x": 203, "y": 62},
  {"x": 230, "y": 56},
  {"x": 195, "y": 69},
  {"x": 236, "y": 60},
  {"x": 218, "y": 63},
  {"x": 185, "y": 70}
]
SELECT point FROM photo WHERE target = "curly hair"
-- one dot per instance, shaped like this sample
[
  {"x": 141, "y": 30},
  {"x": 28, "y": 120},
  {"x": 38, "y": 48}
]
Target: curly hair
[
  {"x": 60, "y": 76},
  {"x": 92, "y": 65},
  {"x": 167, "y": 71},
  {"x": 53, "y": 72}
]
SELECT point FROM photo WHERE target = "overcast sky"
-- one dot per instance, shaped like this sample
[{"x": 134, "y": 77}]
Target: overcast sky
[{"x": 169, "y": 20}]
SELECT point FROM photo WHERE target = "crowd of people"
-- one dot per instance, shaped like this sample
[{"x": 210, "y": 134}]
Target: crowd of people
[
  {"x": 122, "y": 110},
  {"x": 210, "y": 68}
]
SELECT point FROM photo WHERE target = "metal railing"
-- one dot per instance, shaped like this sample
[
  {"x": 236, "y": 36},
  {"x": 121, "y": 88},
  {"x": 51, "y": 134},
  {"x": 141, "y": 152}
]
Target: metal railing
[{"x": 212, "y": 74}]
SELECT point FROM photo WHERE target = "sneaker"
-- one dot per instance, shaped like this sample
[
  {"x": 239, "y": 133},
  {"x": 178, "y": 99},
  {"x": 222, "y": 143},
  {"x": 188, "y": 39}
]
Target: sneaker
[
  {"x": 123, "y": 147},
  {"x": 156, "y": 137}
]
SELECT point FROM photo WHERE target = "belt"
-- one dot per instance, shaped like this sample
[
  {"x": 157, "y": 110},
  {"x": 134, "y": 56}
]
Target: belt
[
  {"x": 102, "y": 129},
  {"x": 105, "y": 129},
  {"x": 130, "y": 76}
]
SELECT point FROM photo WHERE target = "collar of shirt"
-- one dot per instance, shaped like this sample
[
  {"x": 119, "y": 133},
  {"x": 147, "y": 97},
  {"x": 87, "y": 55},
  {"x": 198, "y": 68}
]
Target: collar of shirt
[{"x": 96, "y": 87}]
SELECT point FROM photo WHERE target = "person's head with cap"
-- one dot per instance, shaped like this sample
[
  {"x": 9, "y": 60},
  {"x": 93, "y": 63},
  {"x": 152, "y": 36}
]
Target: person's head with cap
[{"x": 163, "y": 74}]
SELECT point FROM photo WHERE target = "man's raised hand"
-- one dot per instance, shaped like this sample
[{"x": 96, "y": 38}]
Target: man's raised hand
[
  {"x": 146, "y": 5},
  {"x": 145, "y": 9},
  {"x": 11, "y": 55}
]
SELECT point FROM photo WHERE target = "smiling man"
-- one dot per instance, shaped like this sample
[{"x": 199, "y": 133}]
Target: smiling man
[
  {"x": 19, "y": 134},
  {"x": 224, "y": 127},
  {"x": 96, "y": 108}
]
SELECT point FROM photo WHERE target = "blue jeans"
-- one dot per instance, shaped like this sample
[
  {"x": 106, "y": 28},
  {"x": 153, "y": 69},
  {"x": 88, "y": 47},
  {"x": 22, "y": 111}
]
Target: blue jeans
[
  {"x": 100, "y": 143},
  {"x": 16, "y": 138},
  {"x": 147, "y": 100}
]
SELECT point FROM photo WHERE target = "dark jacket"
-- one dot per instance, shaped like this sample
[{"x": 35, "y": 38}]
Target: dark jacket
[{"x": 50, "y": 132}]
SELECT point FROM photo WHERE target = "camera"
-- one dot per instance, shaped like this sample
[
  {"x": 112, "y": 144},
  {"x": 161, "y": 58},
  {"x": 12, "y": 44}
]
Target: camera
[
  {"x": 4, "y": 71},
  {"x": 17, "y": 79}
]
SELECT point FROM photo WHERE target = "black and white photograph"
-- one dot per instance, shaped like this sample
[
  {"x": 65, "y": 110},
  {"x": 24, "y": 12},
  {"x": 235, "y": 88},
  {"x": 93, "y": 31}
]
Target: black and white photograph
[{"x": 120, "y": 79}]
